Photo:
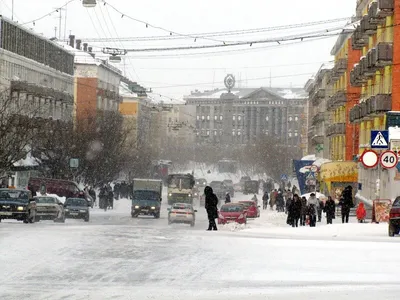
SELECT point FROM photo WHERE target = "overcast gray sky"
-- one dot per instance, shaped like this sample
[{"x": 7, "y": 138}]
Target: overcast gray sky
[{"x": 175, "y": 74}]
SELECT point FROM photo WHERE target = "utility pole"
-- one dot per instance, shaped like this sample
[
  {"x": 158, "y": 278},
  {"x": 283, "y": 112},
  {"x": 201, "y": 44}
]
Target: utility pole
[
  {"x": 60, "y": 17},
  {"x": 12, "y": 10},
  {"x": 55, "y": 31}
]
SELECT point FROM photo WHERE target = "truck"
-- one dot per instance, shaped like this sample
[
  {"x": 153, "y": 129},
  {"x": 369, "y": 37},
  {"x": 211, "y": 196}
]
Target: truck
[
  {"x": 180, "y": 188},
  {"x": 146, "y": 197}
]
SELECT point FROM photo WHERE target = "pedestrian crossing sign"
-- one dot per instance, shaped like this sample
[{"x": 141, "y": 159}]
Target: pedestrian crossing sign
[{"x": 379, "y": 139}]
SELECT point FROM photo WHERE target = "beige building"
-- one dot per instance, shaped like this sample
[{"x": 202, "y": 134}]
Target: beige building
[{"x": 318, "y": 118}]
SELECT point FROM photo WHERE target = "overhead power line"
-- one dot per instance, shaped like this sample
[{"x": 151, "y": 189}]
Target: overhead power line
[
  {"x": 217, "y": 33},
  {"x": 48, "y": 14}
]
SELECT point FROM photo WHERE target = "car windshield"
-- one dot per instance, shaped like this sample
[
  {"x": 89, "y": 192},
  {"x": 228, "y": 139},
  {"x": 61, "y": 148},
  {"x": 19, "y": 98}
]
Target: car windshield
[
  {"x": 181, "y": 206},
  {"x": 146, "y": 195},
  {"x": 146, "y": 202},
  {"x": 16, "y": 195},
  {"x": 246, "y": 204},
  {"x": 397, "y": 202},
  {"x": 75, "y": 202},
  {"x": 231, "y": 208},
  {"x": 180, "y": 182},
  {"x": 46, "y": 200}
]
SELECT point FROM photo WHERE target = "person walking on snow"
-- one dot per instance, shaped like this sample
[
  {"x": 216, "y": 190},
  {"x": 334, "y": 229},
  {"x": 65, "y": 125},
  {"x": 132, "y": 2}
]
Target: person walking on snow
[
  {"x": 272, "y": 199},
  {"x": 330, "y": 209},
  {"x": 303, "y": 212},
  {"x": 313, "y": 203},
  {"x": 295, "y": 211},
  {"x": 361, "y": 213},
  {"x": 265, "y": 199},
  {"x": 227, "y": 198},
  {"x": 346, "y": 203},
  {"x": 211, "y": 206}
]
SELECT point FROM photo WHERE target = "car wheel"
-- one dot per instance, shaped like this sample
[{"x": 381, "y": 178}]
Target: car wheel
[
  {"x": 391, "y": 231},
  {"x": 156, "y": 216},
  {"x": 87, "y": 218},
  {"x": 192, "y": 224}
]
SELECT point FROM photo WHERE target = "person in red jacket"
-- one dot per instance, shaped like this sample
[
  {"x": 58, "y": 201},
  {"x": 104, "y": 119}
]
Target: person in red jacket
[{"x": 361, "y": 213}]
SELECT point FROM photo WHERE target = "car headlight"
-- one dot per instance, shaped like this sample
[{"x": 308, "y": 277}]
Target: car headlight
[
  {"x": 170, "y": 194},
  {"x": 137, "y": 206},
  {"x": 66, "y": 209},
  {"x": 153, "y": 207},
  {"x": 82, "y": 211},
  {"x": 190, "y": 195},
  {"x": 196, "y": 194},
  {"x": 20, "y": 208}
]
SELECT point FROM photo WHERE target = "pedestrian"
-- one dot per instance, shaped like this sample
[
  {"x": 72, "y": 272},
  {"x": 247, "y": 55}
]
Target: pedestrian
[
  {"x": 330, "y": 209},
  {"x": 313, "y": 203},
  {"x": 303, "y": 212},
  {"x": 272, "y": 199},
  {"x": 320, "y": 209},
  {"x": 32, "y": 189},
  {"x": 288, "y": 203},
  {"x": 255, "y": 199},
  {"x": 346, "y": 203},
  {"x": 280, "y": 202},
  {"x": 211, "y": 206},
  {"x": 295, "y": 210},
  {"x": 361, "y": 213},
  {"x": 92, "y": 194},
  {"x": 265, "y": 199},
  {"x": 227, "y": 198}
]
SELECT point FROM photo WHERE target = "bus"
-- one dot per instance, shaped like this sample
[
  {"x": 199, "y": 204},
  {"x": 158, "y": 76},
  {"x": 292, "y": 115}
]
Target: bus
[{"x": 180, "y": 188}]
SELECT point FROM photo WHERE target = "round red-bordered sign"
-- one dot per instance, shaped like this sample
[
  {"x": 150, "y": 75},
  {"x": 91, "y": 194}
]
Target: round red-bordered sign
[
  {"x": 389, "y": 159},
  {"x": 369, "y": 159}
]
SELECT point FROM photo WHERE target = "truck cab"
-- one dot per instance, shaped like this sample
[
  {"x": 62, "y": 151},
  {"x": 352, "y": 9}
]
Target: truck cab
[{"x": 146, "y": 198}]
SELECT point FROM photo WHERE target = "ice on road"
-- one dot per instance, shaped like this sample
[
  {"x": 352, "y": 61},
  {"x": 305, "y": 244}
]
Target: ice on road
[{"x": 117, "y": 257}]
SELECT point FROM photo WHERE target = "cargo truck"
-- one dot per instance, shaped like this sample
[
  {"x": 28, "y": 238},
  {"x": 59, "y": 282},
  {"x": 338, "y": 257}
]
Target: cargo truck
[{"x": 146, "y": 197}]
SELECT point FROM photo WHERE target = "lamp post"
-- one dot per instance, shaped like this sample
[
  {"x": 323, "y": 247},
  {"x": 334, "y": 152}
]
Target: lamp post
[
  {"x": 12, "y": 10},
  {"x": 89, "y": 3}
]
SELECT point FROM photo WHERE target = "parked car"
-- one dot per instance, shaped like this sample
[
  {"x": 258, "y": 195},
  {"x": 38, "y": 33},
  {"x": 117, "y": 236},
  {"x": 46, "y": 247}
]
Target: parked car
[
  {"x": 394, "y": 218},
  {"x": 253, "y": 210},
  {"x": 229, "y": 186},
  {"x": 76, "y": 208},
  {"x": 232, "y": 212},
  {"x": 17, "y": 204},
  {"x": 49, "y": 208},
  {"x": 251, "y": 187},
  {"x": 182, "y": 213}
]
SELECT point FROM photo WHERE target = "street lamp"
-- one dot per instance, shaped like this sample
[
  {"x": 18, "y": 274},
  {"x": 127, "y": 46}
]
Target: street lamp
[{"x": 89, "y": 3}]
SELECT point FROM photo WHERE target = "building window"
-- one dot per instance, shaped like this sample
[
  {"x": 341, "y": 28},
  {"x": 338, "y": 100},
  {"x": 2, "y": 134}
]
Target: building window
[
  {"x": 198, "y": 118},
  {"x": 208, "y": 118},
  {"x": 296, "y": 118},
  {"x": 202, "y": 117},
  {"x": 208, "y": 132},
  {"x": 266, "y": 118},
  {"x": 239, "y": 132},
  {"x": 234, "y": 118},
  {"x": 290, "y": 119},
  {"x": 290, "y": 134},
  {"x": 233, "y": 133},
  {"x": 295, "y": 134},
  {"x": 215, "y": 132},
  {"x": 220, "y": 118},
  {"x": 239, "y": 118},
  {"x": 197, "y": 133},
  {"x": 215, "y": 118}
]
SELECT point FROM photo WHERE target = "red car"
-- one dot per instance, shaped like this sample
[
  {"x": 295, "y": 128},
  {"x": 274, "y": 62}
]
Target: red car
[
  {"x": 253, "y": 210},
  {"x": 232, "y": 212},
  {"x": 394, "y": 218}
]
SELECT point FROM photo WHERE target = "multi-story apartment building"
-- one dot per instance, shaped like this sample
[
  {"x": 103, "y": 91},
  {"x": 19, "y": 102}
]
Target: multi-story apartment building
[
  {"x": 255, "y": 111},
  {"x": 376, "y": 73},
  {"x": 96, "y": 85},
  {"x": 36, "y": 73},
  {"x": 318, "y": 117}
]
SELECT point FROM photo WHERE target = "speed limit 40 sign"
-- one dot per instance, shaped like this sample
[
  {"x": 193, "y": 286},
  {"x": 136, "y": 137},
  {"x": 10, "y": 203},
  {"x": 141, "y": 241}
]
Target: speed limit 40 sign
[{"x": 389, "y": 159}]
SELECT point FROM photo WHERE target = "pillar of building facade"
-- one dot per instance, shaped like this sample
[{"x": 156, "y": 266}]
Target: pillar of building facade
[{"x": 227, "y": 100}]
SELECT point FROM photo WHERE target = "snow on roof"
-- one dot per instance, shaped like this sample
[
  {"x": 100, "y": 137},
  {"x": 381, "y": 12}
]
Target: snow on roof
[
  {"x": 158, "y": 99},
  {"x": 124, "y": 91},
  {"x": 309, "y": 157},
  {"x": 290, "y": 94},
  {"x": 28, "y": 161}
]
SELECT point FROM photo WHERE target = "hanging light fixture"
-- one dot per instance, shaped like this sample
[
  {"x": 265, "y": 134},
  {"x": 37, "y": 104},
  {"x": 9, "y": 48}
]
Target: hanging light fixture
[{"x": 89, "y": 3}]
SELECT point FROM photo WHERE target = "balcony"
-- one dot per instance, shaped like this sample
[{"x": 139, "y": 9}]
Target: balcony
[
  {"x": 367, "y": 29},
  {"x": 334, "y": 75},
  {"x": 317, "y": 95},
  {"x": 341, "y": 66},
  {"x": 317, "y": 139},
  {"x": 355, "y": 114},
  {"x": 318, "y": 118},
  {"x": 357, "y": 78},
  {"x": 336, "y": 129},
  {"x": 383, "y": 56},
  {"x": 358, "y": 40},
  {"x": 380, "y": 103},
  {"x": 385, "y": 8},
  {"x": 337, "y": 100}
]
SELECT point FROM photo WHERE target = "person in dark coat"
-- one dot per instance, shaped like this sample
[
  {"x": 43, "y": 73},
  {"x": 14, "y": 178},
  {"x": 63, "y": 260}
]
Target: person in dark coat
[
  {"x": 312, "y": 213},
  {"x": 346, "y": 203},
  {"x": 303, "y": 212},
  {"x": 32, "y": 189},
  {"x": 329, "y": 209},
  {"x": 295, "y": 210},
  {"x": 320, "y": 209},
  {"x": 227, "y": 198},
  {"x": 288, "y": 204},
  {"x": 265, "y": 199},
  {"x": 211, "y": 206},
  {"x": 280, "y": 202}
]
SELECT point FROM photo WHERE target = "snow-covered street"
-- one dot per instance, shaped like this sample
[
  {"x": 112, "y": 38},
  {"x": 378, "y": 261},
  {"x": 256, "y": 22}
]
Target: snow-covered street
[{"x": 117, "y": 257}]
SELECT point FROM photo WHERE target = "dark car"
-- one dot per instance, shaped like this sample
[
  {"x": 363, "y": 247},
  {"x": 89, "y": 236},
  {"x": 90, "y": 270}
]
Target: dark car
[
  {"x": 18, "y": 205},
  {"x": 76, "y": 208},
  {"x": 146, "y": 203},
  {"x": 251, "y": 187},
  {"x": 394, "y": 218}
]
